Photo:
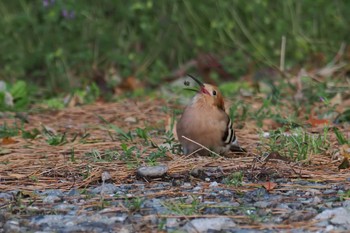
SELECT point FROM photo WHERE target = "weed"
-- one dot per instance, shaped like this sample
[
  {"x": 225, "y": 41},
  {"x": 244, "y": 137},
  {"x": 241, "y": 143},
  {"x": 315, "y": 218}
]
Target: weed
[
  {"x": 72, "y": 155},
  {"x": 155, "y": 155},
  {"x": 134, "y": 204},
  {"x": 182, "y": 208},
  {"x": 341, "y": 137},
  {"x": 143, "y": 134},
  {"x": 125, "y": 136},
  {"x": 56, "y": 139},
  {"x": 297, "y": 144},
  {"x": 30, "y": 134},
  {"x": 8, "y": 131},
  {"x": 234, "y": 179}
]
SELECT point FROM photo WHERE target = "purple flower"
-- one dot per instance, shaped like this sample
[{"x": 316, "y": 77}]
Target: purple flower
[
  {"x": 64, "y": 13},
  {"x": 46, "y": 3},
  {"x": 68, "y": 14}
]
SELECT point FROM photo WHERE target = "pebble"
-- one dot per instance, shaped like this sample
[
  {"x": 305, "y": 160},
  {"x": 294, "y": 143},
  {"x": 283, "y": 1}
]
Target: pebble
[
  {"x": 6, "y": 196},
  {"x": 337, "y": 216},
  {"x": 51, "y": 199},
  {"x": 53, "y": 192},
  {"x": 105, "y": 189},
  {"x": 73, "y": 192},
  {"x": 152, "y": 172},
  {"x": 12, "y": 226},
  {"x": 209, "y": 224},
  {"x": 130, "y": 119},
  {"x": 213, "y": 184}
]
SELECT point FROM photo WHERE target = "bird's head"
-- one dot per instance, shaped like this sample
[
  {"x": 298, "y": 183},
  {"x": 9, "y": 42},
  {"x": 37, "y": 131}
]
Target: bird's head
[{"x": 209, "y": 94}]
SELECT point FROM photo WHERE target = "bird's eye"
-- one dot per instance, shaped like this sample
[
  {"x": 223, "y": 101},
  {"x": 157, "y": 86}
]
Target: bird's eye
[{"x": 214, "y": 92}]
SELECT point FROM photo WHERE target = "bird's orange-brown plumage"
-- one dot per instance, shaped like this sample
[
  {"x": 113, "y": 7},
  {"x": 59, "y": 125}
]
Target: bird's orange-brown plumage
[{"x": 205, "y": 121}]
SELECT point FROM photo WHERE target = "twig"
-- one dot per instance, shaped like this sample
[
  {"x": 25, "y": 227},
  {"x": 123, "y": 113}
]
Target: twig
[
  {"x": 283, "y": 53},
  {"x": 202, "y": 147}
]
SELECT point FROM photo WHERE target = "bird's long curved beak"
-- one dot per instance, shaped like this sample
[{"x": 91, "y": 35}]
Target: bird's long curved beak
[
  {"x": 195, "y": 79},
  {"x": 201, "y": 85}
]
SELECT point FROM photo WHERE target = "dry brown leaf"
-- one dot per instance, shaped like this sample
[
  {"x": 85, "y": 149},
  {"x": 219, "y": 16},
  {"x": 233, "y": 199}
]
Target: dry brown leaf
[
  {"x": 269, "y": 186},
  {"x": 7, "y": 141}
]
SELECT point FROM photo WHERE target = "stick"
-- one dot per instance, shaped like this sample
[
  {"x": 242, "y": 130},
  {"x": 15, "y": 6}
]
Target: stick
[{"x": 198, "y": 144}]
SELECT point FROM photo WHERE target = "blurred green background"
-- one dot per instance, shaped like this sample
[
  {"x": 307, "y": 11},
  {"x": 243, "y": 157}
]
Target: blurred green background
[{"x": 60, "y": 45}]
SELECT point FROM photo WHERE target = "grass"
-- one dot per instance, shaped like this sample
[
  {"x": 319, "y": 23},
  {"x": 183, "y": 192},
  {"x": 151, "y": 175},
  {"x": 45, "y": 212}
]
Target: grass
[
  {"x": 297, "y": 144},
  {"x": 126, "y": 42}
]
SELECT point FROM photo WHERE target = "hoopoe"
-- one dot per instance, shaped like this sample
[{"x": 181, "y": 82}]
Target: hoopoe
[{"x": 205, "y": 121}]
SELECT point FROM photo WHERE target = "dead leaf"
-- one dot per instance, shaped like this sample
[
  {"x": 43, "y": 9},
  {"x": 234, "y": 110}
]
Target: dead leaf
[
  {"x": 7, "y": 141},
  {"x": 269, "y": 186},
  {"x": 314, "y": 122}
]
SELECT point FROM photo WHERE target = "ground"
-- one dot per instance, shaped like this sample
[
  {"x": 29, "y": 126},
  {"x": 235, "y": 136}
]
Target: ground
[{"x": 90, "y": 148}]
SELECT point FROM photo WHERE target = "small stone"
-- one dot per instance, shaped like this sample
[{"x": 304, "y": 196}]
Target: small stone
[
  {"x": 172, "y": 223},
  {"x": 261, "y": 204},
  {"x": 105, "y": 176},
  {"x": 73, "y": 192},
  {"x": 316, "y": 200},
  {"x": 130, "y": 120},
  {"x": 346, "y": 204},
  {"x": 12, "y": 226},
  {"x": 209, "y": 224},
  {"x": 53, "y": 192},
  {"x": 105, "y": 189},
  {"x": 337, "y": 216},
  {"x": 152, "y": 172},
  {"x": 51, "y": 199},
  {"x": 121, "y": 218},
  {"x": 312, "y": 192},
  {"x": 65, "y": 207},
  {"x": 213, "y": 184},
  {"x": 6, "y": 196},
  {"x": 329, "y": 191}
]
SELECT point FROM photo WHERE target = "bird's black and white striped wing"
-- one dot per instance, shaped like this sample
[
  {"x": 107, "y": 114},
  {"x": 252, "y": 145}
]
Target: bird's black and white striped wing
[{"x": 229, "y": 135}]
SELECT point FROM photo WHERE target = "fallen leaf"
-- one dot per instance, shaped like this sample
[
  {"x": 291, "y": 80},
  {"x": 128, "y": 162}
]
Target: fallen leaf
[
  {"x": 7, "y": 141},
  {"x": 316, "y": 122},
  {"x": 269, "y": 186}
]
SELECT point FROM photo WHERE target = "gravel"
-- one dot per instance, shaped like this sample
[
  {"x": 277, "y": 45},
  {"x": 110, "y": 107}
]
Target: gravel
[{"x": 200, "y": 206}]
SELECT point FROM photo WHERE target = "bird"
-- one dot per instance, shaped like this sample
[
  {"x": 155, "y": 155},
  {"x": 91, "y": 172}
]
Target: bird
[{"x": 205, "y": 122}]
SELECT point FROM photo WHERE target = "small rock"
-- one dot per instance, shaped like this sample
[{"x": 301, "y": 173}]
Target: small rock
[
  {"x": 121, "y": 218},
  {"x": 73, "y": 192},
  {"x": 346, "y": 204},
  {"x": 172, "y": 222},
  {"x": 207, "y": 224},
  {"x": 130, "y": 120},
  {"x": 65, "y": 207},
  {"x": 6, "y": 196},
  {"x": 337, "y": 216},
  {"x": 152, "y": 172},
  {"x": 51, "y": 199},
  {"x": 105, "y": 189},
  {"x": 105, "y": 176},
  {"x": 329, "y": 191},
  {"x": 12, "y": 226},
  {"x": 262, "y": 204},
  {"x": 312, "y": 192},
  {"x": 53, "y": 192},
  {"x": 316, "y": 200},
  {"x": 213, "y": 184}
]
